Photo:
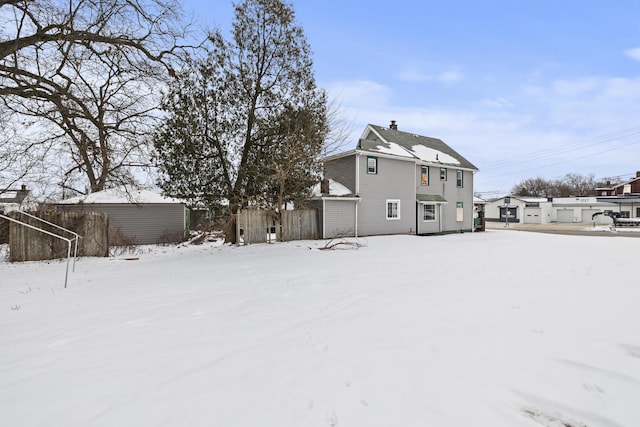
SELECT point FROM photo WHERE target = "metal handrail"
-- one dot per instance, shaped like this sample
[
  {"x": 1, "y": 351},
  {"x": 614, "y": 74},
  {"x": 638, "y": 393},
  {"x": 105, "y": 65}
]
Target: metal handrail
[
  {"x": 50, "y": 234},
  {"x": 75, "y": 251}
]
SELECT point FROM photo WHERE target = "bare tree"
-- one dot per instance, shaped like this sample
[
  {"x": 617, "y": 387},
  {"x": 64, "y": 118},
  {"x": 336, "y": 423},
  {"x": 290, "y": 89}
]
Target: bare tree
[
  {"x": 88, "y": 75},
  {"x": 572, "y": 184},
  {"x": 534, "y": 187}
]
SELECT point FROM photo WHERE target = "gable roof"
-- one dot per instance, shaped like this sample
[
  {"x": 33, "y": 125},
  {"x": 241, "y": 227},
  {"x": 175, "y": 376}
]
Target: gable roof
[
  {"x": 613, "y": 186},
  {"x": 383, "y": 140},
  {"x": 121, "y": 196}
]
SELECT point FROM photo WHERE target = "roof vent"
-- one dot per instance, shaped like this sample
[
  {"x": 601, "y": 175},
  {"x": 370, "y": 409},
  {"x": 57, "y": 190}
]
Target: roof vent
[{"x": 393, "y": 125}]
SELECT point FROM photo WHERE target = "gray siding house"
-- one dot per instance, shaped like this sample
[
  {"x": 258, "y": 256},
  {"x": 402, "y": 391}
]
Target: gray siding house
[
  {"x": 399, "y": 183},
  {"x": 141, "y": 216},
  {"x": 21, "y": 200}
]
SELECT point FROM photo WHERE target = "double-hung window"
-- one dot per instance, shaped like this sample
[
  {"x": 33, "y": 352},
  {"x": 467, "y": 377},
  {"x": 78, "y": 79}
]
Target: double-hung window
[
  {"x": 428, "y": 212},
  {"x": 443, "y": 174},
  {"x": 424, "y": 175},
  {"x": 459, "y": 179},
  {"x": 372, "y": 165},
  {"x": 393, "y": 209}
]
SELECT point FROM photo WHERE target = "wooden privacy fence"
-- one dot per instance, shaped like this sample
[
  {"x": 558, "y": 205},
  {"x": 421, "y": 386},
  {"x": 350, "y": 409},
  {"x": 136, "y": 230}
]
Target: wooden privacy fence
[
  {"x": 258, "y": 226},
  {"x": 26, "y": 244}
]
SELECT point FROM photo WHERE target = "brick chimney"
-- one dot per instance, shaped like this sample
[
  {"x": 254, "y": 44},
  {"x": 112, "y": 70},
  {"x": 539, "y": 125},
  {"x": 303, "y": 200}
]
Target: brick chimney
[
  {"x": 393, "y": 125},
  {"x": 638, "y": 174},
  {"x": 324, "y": 186}
]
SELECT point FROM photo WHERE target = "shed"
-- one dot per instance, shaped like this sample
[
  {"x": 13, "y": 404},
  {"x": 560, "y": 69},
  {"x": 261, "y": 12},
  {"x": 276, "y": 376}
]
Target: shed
[
  {"x": 337, "y": 209},
  {"x": 135, "y": 216}
]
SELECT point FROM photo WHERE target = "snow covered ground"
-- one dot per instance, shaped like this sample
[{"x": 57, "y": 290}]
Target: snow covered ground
[{"x": 502, "y": 328}]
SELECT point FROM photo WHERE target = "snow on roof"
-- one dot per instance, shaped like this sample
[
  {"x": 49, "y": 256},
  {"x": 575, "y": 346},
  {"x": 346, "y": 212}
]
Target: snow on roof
[
  {"x": 120, "y": 196},
  {"x": 11, "y": 194},
  {"x": 431, "y": 155},
  {"x": 393, "y": 149},
  {"x": 335, "y": 189},
  {"x": 478, "y": 200}
]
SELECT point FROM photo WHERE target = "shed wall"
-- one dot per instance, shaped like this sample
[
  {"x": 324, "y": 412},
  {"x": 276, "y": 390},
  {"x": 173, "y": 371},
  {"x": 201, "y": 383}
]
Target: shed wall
[
  {"x": 145, "y": 223},
  {"x": 339, "y": 218}
]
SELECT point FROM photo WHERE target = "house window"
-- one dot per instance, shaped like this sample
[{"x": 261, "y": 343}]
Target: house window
[
  {"x": 424, "y": 175},
  {"x": 428, "y": 212},
  {"x": 637, "y": 212},
  {"x": 393, "y": 209},
  {"x": 443, "y": 174},
  {"x": 459, "y": 179},
  {"x": 372, "y": 165},
  {"x": 459, "y": 212}
]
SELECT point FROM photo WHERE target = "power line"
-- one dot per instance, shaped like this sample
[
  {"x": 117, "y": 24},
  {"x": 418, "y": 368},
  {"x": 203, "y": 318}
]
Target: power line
[{"x": 566, "y": 148}]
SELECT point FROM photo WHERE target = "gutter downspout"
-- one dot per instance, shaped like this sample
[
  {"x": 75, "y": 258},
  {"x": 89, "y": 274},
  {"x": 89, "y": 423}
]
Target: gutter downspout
[
  {"x": 324, "y": 217},
  {"x": 357, "y": 189},
  {"x": 358, "y": 173},
  {"x": 356, "y": 222}
]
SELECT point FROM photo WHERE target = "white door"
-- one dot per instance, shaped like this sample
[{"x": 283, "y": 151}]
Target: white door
[{"x": 532, "y": 216}]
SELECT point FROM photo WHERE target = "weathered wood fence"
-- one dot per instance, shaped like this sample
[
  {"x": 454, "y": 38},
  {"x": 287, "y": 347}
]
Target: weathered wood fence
[
  {"x": 258, "y": 226},
  {"x": 26, "y": 244}
]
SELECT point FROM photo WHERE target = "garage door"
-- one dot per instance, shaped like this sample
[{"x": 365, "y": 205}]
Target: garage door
[
  {"x": 565, "y": 215},
  {"x": 532, "y": 216}
]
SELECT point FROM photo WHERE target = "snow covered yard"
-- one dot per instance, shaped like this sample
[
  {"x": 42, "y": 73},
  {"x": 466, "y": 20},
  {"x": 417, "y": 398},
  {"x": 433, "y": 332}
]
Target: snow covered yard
[{"x": 502, "y": 328}]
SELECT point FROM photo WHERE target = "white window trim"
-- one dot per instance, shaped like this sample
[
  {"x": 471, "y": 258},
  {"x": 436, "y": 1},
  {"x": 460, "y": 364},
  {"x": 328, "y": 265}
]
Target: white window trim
[
  {"x": 435, "y": 212},
  {"x": 421, "y": 173},
  {"x": 375, "y": 160},
  {"x": 386, "y": 209},
  {"x": 446, "y": 172}
]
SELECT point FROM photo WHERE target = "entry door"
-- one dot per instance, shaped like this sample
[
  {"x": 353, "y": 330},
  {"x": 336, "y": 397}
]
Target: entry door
[{"x": 512, "y": 214}]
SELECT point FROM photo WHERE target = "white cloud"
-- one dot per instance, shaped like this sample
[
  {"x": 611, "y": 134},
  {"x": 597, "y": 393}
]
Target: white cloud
[
  {"x": 497, "y": 103},
  {"x": 451, "y": 76},
  {"x": 412, "y": 74},
  {"x": 574, "y": 87},
  {"x": 359, "y": 92},
  {"x": 623, "y": 88},
  {"x": 633, "y": 53}
]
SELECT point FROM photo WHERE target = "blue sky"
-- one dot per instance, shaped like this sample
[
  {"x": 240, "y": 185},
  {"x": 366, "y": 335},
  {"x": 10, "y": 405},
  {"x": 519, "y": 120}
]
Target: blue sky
[{"x": 522, "y": 89}]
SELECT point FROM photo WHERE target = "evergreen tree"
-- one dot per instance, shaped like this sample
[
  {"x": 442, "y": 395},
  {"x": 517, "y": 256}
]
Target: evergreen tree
[{"x": 245, "y": 124}]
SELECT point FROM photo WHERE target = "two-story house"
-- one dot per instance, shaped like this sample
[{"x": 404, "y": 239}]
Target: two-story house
[
  {"x": 399, "y": 183},
  {"x": 625, "y": 194},
  {"x": 21, "y": 199}
]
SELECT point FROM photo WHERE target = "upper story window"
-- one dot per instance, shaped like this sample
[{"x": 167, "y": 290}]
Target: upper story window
[
  {"x": 372, "y": 165},
  {"x": 443, "y": 174},
  {"x": 459, "y": 178},
  {"x": 393, "y": 209},
  {"x": 424, "y": 175}
]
